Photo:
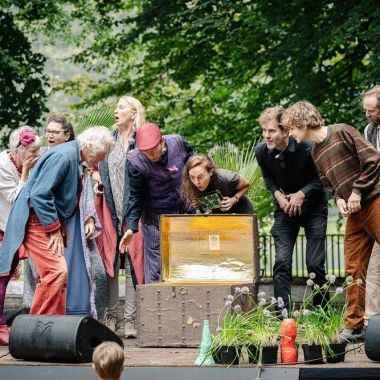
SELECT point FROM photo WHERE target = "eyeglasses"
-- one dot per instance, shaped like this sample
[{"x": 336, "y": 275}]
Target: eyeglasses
[{"x": 54, "y": 133}]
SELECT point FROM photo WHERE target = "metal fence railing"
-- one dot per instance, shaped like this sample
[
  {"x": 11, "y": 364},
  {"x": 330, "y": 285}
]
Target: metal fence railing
[{"x": 334, "y": 256}]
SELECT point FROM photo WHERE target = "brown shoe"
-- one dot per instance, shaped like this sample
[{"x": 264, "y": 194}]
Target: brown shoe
[{"x": 130, "y": 330}]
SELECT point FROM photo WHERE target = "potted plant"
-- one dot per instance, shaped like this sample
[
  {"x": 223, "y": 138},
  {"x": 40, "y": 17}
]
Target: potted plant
[
  {"x": 226, "y": 343},
  {"x": 334, "y": 312},
  {"x": 311, "y": 323},
  {"x": 319, "y": 327},
  {"x": 262, "y": 331},
  {"x": 312, "y": 335},
  {"x": 334, "y": 320},
  {"x": 257, "y": 330}
]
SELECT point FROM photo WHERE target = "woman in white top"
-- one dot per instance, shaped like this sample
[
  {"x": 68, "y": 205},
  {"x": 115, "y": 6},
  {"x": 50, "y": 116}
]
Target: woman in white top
[{"x": 15, "y": 164}]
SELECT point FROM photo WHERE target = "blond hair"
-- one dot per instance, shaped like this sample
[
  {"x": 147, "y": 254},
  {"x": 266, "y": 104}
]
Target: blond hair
[
  {"x": 373, "y": 91},
  {"x": 272, "y": 114},
  {"x": 137, "y": 107},
  {"x": 108, "y": 359},
  {"x": 302, "y": 115}
]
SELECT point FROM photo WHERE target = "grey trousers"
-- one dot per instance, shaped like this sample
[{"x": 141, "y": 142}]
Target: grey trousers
[
  {"x": 372, "y": 290},
  {"x": 30, "y": 283},
  {"x": 113, "y": 294}
]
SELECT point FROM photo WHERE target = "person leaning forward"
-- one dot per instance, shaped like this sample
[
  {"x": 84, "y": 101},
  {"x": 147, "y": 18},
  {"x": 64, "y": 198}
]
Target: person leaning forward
[
  {"x": 348, "y": 166},
  {"x": 371, "y": 106},
  {"x": 299, "y": 199},
  {"x": 154, "y": 173},
  {"x": 37, "y": 218}
]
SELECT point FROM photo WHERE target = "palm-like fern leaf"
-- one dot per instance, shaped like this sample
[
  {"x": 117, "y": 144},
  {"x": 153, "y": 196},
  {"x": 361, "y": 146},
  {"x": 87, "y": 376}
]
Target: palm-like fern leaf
[
  {"x": 228, "y": 156},
  {"x": 99, "y": 115}
]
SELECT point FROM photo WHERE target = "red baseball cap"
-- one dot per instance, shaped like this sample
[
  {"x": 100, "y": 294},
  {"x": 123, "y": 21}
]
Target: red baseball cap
[{"x": 148, "y": 136}]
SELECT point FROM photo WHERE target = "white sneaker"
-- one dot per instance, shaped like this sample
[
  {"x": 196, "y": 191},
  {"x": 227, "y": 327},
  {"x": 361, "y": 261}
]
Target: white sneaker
[
  {"x": 350, "y": 335},
  {"x": 111, "y": 322},
  {"x": 130, "y": 330}
]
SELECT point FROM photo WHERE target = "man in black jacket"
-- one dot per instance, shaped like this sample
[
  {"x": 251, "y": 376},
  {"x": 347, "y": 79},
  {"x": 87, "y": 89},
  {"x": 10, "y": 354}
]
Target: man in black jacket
[{"x": 289, "y": 174}]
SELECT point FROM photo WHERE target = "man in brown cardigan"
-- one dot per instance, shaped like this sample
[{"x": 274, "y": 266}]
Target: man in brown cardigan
[{"x": 348, "y": 166}]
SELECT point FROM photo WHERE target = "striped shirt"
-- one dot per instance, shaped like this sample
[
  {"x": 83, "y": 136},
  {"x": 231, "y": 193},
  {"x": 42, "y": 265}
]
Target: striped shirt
[{"x": 346, "y": 163}]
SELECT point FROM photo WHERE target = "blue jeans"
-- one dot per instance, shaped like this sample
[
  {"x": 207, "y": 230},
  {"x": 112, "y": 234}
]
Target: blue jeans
[{"x": 285, "y": 231}]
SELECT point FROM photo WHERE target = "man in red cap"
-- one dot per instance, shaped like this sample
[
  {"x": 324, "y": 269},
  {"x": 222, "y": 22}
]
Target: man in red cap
[{"x": 154, "y": 172}]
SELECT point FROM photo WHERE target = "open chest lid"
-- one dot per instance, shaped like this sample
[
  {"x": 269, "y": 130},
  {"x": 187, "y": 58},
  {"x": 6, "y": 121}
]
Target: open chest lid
[{"x": 208, "y": 249}]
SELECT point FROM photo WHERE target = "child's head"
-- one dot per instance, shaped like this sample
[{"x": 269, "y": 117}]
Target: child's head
[{"x": 108, "y": 360}]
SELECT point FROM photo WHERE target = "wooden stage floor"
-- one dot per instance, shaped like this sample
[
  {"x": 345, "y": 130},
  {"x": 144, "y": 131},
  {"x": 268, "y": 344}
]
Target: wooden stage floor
[{"x": 184, "y": 357}]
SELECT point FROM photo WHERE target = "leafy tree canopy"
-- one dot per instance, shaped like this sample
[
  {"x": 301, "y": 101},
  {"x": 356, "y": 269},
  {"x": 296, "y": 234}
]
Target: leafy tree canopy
[
  {"x": 204, "y": 68},
  {"x": 208, "y": 68},
  {"x": 22, "y": 94}
]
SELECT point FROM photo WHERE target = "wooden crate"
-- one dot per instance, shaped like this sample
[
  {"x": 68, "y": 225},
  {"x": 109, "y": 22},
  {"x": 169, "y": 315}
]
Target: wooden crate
[{"x": 203, "y": 259}]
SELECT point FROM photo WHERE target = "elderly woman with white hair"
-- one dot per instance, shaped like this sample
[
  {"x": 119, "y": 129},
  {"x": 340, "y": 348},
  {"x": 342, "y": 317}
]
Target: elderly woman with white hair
[
  {"x": 84, "y": 263},
  {"x": 15, "y": 164},
  {"x": 37, "y": 219}
]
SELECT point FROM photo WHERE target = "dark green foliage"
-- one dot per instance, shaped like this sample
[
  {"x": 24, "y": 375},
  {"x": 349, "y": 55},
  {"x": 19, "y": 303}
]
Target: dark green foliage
[
  {"x": 243, "y": 161},
  {"x": 22, "y": 96},
  {"x": 100, "y": 115},
  {"x": 208, "y": 68}
]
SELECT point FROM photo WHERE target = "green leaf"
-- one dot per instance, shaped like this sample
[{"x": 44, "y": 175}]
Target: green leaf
[{"x": 98, "y": 115}]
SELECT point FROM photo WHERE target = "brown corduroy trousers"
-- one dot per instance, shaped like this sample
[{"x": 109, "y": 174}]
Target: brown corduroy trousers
[{"x": 362, "y": 230}]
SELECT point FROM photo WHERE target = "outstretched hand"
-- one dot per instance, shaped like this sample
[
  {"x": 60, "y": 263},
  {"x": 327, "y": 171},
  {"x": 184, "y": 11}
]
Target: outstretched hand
[
  {"x": 89, "y": 228},
  {"x": 125, "y": 241}
]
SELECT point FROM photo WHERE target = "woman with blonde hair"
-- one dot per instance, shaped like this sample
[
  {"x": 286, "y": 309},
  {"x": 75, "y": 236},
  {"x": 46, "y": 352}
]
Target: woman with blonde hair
[
  {"x": 225, "y": 190},
  {"x": 112, "y": 188}
]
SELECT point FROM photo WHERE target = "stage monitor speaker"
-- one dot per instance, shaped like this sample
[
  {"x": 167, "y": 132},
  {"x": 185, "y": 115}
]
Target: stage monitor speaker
[
  {"x": 372, "y": 338},
  {"x": 57, "y": 338}
]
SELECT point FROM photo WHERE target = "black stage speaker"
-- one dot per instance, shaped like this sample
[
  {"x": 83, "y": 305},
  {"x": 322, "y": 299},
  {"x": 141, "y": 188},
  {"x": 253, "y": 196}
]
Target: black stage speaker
[
  {"x": 372, "y": 338},
  {"x": 57, "y": 338}
]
